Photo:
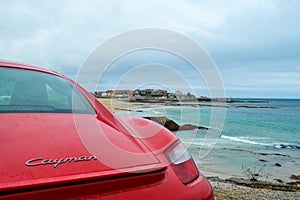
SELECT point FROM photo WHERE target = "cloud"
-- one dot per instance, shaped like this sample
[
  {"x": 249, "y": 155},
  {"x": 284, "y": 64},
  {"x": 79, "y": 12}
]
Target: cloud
[{"x": 254, "y": 40}]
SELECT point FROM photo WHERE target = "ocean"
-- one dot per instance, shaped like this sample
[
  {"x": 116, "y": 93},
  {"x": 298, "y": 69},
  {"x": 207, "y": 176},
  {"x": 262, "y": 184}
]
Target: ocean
[{"x": 261, "y": 135}]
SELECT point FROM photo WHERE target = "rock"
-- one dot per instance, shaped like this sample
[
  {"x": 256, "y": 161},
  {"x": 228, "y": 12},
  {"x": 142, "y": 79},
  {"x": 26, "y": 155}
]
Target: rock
[
  {"x": 173, "y": 126},
  {"x": 283, "y": 146},
  {"x": 166, "y": 122},
  {"x": 273, "y": 154},
  {"x": 263, "y": 160},
  {"x": 295, "y": 177},
  {"x": 278, "y": 165},
  {"x": 278, "y": 180},
  {"x": 256, "y": 107},
  {"x": 188, "y": 127},
  {"x": 191, "y": 127}
]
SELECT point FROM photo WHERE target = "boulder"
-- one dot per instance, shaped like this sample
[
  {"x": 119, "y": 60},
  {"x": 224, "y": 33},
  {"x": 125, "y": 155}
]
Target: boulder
[
  {"x": 166, "y": 122},
  {"x": 191, "y": 127},
  {"x": 173, "y": 126},
  {"x": 278, "y": 165},
  {"x": 263, "y": 160}
]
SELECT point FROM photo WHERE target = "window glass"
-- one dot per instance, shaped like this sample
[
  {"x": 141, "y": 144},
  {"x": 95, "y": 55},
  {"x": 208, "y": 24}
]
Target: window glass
[
  {"x": 6, "y": 88},
  {"x": 32, "y": 91}
]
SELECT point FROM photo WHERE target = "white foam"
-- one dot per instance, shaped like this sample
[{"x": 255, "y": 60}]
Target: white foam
[{"x": 243, "y": 140}]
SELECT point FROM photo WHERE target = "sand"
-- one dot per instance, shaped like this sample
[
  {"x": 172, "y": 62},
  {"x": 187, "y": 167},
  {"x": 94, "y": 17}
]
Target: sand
[{"x": 118, "y": 104}]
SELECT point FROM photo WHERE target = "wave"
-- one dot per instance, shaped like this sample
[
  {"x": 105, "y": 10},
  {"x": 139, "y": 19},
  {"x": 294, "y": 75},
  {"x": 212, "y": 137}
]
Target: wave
[
  {"x": 244, "y": 140},
  {"x": 248, "y": 141},
  {"x": 225, "y": 139},
  {"x": 200, "y": 141}
]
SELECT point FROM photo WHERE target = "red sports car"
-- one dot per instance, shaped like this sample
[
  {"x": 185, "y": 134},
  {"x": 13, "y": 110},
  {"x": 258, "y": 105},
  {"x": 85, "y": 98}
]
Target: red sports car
[{"x": 58, "y": 142}]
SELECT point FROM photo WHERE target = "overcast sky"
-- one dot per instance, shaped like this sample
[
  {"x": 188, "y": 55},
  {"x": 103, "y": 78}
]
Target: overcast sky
[{"x": 254, "y": 44}]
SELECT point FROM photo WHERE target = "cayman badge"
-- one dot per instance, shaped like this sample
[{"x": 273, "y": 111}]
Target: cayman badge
[{"x": 55, "y": 162}]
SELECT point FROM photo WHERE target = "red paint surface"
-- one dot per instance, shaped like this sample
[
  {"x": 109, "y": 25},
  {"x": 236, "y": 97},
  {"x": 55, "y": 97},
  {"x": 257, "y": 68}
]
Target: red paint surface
[{"x": 130, "y": 156}]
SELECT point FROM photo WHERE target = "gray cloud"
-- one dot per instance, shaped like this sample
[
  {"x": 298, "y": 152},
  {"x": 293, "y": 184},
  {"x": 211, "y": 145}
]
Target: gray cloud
[{"x": 255, "y": 44}]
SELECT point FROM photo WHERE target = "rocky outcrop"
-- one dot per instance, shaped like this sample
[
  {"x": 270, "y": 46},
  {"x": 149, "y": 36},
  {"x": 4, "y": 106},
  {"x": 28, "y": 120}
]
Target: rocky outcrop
[
  {"x": 244, "y": 106},
  {"x": 191, "y": 127},
  {"x": 166, "y": 122},
  {"x": 287, "y": 146},
  {"x": 173, "y": 126}
]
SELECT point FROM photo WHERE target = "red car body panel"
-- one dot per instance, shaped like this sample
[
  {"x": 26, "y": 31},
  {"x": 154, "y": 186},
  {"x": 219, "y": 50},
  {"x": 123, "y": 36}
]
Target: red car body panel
[
  {"x": 159, "y": 185},
  {"x": 62, "y": 141},
  {"x": 88, "y": 156}
]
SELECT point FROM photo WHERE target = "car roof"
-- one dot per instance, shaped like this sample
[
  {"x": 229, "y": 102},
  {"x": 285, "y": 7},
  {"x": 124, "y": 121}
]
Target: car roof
[{"x": 12, "y": 64}]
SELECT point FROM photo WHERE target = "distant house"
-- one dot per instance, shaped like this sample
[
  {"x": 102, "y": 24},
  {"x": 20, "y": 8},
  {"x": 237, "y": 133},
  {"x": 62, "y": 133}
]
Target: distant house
[
  {"x": 137, "y": 91},
  {"x": 104, "y": 94},
  {"x": 178, "y": 94},
  {"x": 110, "y": 93},
  {"x": 172, "y": 96},
  {"x": 122, "y": 93},
  {"x": 98, "y": 94},
  {"x": 146, "y": 92},
  {"x": 149, "y": 91},
  {"x": 163, "y": 91}
]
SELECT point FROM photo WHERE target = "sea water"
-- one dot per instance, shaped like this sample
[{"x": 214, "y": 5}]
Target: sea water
[{"x": 261, "y": 135}]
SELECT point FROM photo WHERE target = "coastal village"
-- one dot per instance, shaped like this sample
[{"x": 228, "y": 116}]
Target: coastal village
[{"x": 154, "y": 95}]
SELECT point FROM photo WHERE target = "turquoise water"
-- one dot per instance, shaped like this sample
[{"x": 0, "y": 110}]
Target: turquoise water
[
  {"x": 265, "y": 126},
  {"x": 260, "y": 137}
]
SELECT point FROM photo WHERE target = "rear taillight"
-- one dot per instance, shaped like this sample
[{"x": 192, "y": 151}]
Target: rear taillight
[{"x": 182, "y": 163}]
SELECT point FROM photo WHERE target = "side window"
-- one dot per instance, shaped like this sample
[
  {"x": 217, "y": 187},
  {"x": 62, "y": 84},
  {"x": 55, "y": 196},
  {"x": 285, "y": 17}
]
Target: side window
[
  {"x": 57, "y": 100},
  {"x": 79, "y": 102},
  {"x": 6, "y": 89},
  {"x": 24, "y": 90}
]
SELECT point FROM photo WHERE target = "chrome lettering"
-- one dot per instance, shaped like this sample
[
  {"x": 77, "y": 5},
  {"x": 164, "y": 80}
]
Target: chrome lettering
[
  {"x": 56, "y": 162},
  {"x": 92, "y": 157},
  {"x": 70, "y": 159},
  {"x": 81, "y": 158},
  {"x": 32, "y": 162}
]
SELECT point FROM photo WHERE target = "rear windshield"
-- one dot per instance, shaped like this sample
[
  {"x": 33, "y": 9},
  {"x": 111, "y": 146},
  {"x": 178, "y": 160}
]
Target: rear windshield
[{"x": 32, "y": 91}]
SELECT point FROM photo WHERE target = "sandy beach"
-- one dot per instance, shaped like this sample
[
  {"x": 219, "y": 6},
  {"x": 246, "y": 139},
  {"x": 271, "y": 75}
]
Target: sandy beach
[
  {"x": 223, "y": 188},
  {"x": 117, "y": 105}
]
